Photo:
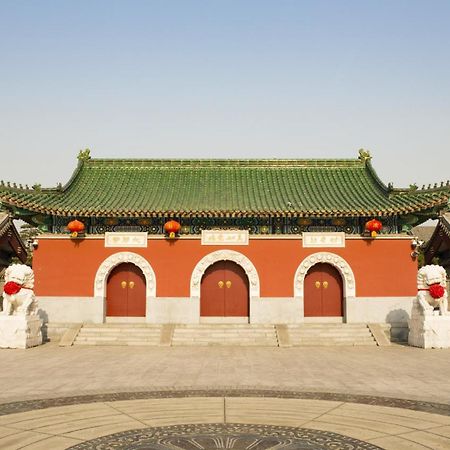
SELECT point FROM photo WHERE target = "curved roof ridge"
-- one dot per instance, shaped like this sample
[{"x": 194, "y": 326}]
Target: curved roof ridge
[
  {"x": 373, "y": 174},
  {"x": 233, "y": 162},
  {"x": 74, "y": 175}
]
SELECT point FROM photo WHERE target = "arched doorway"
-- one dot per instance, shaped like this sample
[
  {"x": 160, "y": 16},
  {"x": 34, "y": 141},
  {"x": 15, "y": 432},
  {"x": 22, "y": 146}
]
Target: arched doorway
[
  {"x": 323, "y": 290},
  {"x": 224, "y": 291},
  {"x": 125, "y": 292}
]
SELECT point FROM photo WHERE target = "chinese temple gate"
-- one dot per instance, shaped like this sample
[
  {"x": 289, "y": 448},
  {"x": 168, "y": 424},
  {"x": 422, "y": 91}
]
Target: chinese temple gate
[{"x": 259, "y": 241}]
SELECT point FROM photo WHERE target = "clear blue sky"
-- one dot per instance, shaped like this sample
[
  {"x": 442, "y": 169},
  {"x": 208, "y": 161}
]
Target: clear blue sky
[{"x": 236, "y": 78}]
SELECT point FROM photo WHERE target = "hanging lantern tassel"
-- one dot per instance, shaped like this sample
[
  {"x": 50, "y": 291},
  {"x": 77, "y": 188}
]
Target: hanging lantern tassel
[{"x": 374, "y": 226}]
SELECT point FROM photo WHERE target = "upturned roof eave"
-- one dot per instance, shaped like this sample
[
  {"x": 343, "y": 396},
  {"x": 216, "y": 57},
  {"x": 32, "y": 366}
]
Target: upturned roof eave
[{"x": 66, "y": 212}]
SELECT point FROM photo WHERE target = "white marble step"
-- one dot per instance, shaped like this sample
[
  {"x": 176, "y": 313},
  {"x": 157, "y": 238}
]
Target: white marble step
[
  {"x": 119, "y": 334},
  {"x": 118, "y": 343},
  {"x": 225, "y": 334},
  {"x": 330, "y": 334}
]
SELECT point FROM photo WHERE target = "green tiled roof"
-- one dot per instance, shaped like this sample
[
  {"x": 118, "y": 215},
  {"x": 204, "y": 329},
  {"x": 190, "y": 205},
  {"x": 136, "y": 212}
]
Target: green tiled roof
[{"x": 263, "y": 187}]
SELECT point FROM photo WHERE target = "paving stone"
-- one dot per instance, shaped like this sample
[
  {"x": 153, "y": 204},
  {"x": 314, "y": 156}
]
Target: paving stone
[
  {"x": 274, "y": 411},
  {"x": 346, "y": 430},
  {"x": 397, "y": 443},
  {"x": 80, "y": 424},
  {"x": 20, "y": 440},
  {"x": 368, "y": 424},
  {"x": 43, "y": 424},
  {"x": 157, "y": 412},
  {"x": 105, "y": 430},
  {"x": 376, "y": 415},
  {"x": 428, "y": 439},
  {"x": 5, "y": 431},
  {"x": 52, "y": 443}
]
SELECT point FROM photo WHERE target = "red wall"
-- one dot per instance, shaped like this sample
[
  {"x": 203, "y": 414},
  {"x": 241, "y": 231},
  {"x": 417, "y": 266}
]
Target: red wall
[{"x": 382, "y": 267}]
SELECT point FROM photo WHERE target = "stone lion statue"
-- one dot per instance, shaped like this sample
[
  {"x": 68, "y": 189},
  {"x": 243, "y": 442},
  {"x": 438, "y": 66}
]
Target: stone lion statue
[
  {"x": 431, "y": 286},
  {"x": 18, "y": 295}
]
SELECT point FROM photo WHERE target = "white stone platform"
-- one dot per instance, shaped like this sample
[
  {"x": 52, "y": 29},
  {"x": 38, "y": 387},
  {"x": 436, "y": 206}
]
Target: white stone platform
[
  {"x": 430, "y": 331},
  {"x": 20, "y": 331}
]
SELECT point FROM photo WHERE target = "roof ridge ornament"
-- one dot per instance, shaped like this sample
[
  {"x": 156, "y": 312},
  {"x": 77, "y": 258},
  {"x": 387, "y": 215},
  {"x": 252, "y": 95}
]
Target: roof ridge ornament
[
  {"x": 84, "y": 155},
  {"x": 364, "y": 155}
]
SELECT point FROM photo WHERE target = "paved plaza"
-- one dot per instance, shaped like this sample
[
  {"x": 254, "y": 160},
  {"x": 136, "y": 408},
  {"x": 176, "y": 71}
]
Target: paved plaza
[
  {"x": 352, "y": 397},
  {"x": 396, "y": 371}
]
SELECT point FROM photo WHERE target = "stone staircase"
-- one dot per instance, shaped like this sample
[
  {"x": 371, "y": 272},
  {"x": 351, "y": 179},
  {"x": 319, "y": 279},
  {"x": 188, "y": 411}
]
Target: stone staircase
[
  {"x": 309, "y": 334},
  {"x": 225, "y": 334},
  {"x": 119, "y": 334},
  {"x": 262, "y": 335}
]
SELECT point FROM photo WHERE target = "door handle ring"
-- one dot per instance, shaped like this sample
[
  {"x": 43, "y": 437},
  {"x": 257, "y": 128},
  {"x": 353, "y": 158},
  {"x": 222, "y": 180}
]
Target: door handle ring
[
  {"x": 220, "y": 284},
  {"x": 228, "y": 284}
]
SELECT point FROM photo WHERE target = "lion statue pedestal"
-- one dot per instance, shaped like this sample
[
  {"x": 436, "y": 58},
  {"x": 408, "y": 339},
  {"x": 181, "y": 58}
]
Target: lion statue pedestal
[
  {"x": 20, "y": 327},
  {"x": 429, "y": 326}
]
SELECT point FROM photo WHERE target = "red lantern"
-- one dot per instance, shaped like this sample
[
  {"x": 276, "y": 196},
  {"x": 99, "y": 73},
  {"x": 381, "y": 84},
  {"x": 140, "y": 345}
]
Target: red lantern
[
  {"x": 374, "y": 226},
  {"x": 75, "y": 227},
  {"x": 172, "y": 227}
]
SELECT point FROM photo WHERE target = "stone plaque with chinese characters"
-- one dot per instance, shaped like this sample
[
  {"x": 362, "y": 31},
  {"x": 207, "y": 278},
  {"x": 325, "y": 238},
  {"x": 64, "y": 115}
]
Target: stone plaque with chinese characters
[
  {"x": 323, "y": 239},
  {"x": 126, "y": 239},
  {"x": 224, "y": 237}
]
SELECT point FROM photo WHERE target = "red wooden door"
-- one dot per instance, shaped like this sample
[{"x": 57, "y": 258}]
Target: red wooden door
[
  {"x": 125, "y": 292},
  {"x": 323, "y": 295},
  {"x": 236, "y": 291},
  {"x": 212, "y": 291},
  {"x": 224, "y": 291}
]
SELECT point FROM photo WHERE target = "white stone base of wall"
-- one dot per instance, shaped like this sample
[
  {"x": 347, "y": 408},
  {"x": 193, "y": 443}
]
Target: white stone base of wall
[
  {"x": 184, "y": 310},
  {"x": 395, "y": 311},
  {"x": 173, "y": 310},
  {"x": 378, "y": 309},
  {"x": 71, "y": 309},
  {"x": 280, "y": 310}
]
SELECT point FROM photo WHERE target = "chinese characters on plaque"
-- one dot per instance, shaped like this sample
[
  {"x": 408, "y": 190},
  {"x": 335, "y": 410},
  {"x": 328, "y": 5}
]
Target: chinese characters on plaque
[
  {"x": 118, "y": 239},
  {"x": 224, "y": 237},
  {"x": 323, "y": 239}
]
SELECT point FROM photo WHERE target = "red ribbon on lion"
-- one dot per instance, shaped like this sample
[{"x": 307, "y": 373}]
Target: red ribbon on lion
[
  {"x": 436, "y": 290},
  {"x": 12, "y": 288}
]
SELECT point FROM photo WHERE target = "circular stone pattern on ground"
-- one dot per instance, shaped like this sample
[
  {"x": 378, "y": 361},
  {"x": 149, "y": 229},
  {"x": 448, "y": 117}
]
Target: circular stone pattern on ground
[{"x": 224, "y": 436}]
